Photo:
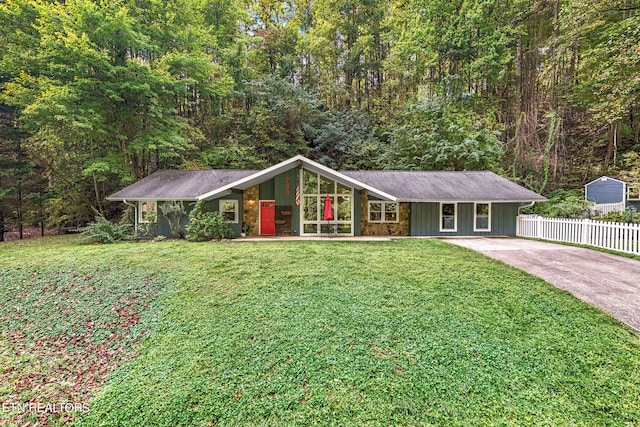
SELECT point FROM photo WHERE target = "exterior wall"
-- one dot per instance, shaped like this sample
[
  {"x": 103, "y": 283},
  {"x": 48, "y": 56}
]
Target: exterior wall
[
  {"x": 425, "y": 220},
  {"x": 161, "y": 227},
  {"x": 634, "y": 204},
  {"x": 609, "y": 191},
  {"x": 282, "y": 189},
  {"x": 400, "y": 228}
]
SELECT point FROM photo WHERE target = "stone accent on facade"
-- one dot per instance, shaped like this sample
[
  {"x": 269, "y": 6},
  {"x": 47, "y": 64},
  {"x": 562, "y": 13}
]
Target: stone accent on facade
[
  {"x": 251, "y": 208},
  {"x": 400, "y": 228}
]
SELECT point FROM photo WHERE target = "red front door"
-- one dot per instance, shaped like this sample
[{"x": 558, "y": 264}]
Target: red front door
[{"x": 267, "y": 217}]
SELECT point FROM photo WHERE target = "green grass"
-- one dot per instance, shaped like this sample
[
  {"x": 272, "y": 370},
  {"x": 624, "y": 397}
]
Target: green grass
[{"x": 407, "y": 332}]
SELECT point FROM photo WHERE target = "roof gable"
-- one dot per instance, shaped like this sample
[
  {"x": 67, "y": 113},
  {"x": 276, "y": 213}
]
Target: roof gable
[
  {"x": 294, "y": 162},
  {"x": 603, "y": 179}
]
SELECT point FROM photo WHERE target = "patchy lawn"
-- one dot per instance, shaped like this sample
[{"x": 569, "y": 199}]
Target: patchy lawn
[
  {"x": 408, "y": 332},
  {"x": 63, "y": 328}
]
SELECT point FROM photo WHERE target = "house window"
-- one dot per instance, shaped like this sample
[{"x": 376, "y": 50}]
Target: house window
[
  {"x": 148, "y": 211},
  {"x": 229, "y": 210},
  {"x": 383, "y": 211},
  {"x": 315, "y": 189},
  {"x": 448, "y": 217},
  {"x": 633, "y": 192},
  {"x": 482, "y": 217}
]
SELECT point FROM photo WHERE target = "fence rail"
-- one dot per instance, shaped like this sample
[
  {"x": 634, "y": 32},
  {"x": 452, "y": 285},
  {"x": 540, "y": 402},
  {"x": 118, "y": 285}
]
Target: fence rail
[{"x": 608, "y": 235}]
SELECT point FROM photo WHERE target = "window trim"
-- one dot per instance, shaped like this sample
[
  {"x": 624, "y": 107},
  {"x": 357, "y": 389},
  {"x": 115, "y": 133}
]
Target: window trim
[
  {"x": 455, "y": 218},
  {"x": 236, "y": 207},
  {"x": 382, "y": 212},
  {"x": 475, "y": 217},
  {"x": 141, "y": 212}
]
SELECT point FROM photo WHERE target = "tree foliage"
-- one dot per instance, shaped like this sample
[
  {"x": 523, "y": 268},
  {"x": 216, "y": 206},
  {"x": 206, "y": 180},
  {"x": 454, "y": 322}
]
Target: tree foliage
[{"x": 107, "y": 92}]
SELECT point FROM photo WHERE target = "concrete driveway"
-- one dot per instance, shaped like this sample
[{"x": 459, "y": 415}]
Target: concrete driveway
[{"x": 609, "y": 282}]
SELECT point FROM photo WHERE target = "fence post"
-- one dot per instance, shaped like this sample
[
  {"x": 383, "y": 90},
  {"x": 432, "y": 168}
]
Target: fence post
[
  {"x": 586, "y": 231},
  {"x": 539, "y": 227}
]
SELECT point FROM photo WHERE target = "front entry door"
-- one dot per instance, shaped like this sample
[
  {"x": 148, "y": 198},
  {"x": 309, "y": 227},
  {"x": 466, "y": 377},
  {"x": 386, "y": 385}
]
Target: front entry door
[{"x": 268, "y": 218}]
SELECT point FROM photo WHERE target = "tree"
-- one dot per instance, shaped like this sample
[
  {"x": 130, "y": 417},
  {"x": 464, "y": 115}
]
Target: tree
[{"x": 434, "y": 135}]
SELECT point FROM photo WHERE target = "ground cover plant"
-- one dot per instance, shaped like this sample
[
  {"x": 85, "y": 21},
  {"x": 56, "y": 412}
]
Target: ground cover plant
[
  {"x": 63, "y": 327},
  {"x": 407, "y": 332}
]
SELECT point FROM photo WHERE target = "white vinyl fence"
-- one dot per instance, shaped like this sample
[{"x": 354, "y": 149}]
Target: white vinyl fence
[
  {"x": 608, "y": 235},
  {"x": 605, "y": 208}
]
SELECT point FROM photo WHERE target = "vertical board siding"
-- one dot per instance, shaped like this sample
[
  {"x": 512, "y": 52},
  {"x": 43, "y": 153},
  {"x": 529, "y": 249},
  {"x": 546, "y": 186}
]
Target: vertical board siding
[
  {"x": 607, "y": 191},
  {"x": 425, "y": 220},
  {"x": 616, "y": 236}
]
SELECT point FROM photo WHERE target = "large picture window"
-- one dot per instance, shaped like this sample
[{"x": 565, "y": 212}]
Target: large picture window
[
  {"x": 148, "y": 211},
  {"x": 315, "y": 189},
  {"x": 448, "y": 217},
  {"x": 383, "y": 211},
  {"x": 229, "y": 210},
  {"x": 482, "y": 217}
]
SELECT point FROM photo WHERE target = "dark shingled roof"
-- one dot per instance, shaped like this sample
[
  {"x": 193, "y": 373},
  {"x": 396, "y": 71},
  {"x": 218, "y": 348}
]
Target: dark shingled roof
[
  {"x": 445, "y": 186},
  {"x": 403, "y": 185},
  {"x": 179, "y": 184}
]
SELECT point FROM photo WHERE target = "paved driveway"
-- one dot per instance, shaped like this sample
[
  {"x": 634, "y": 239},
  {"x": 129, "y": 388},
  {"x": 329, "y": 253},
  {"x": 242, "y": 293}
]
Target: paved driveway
[{"x": 609, "y": 282}]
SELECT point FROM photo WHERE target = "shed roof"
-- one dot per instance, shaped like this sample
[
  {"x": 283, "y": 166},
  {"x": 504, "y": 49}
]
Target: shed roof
[
  {"x": 179, "y": 184},
  {"x": 604, "y": 179},
  {"x": 446, "y": 186}
]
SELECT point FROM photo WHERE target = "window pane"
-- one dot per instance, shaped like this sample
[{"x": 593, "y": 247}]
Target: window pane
[
  {"x": 344, "y": 208},
  {"x": 375, "y": 207},
  {"x": 311, "y": 228},
  {"x": 482, "y": 209},
  {"x": 309, "y": 182},
  {"x": 390, "y": 216},
  {"x": 448, "y": 209},
  {"x": 310, "y": 208},
  {"x": 343, "y": 189},
  {"x": 375, "y": 216},
  {"x": 344, "y": 228},
  {"x": 482, "y": 222},
  {"x": 390, "y": 207},
  {"x": 327, "y": 186},
  {"x": 448, "y": 223}
]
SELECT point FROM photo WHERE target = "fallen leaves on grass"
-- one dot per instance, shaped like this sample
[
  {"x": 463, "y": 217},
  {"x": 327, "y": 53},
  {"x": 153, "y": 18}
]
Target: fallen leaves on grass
[{"x": 61, "y": 334}]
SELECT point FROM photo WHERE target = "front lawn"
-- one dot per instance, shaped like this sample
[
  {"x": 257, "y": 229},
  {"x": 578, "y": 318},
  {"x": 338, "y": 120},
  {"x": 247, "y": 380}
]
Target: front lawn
[{"x": 408, "y": 332}]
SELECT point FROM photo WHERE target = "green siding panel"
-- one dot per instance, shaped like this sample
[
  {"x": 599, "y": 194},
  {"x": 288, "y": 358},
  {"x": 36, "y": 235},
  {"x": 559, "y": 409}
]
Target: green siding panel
[
  {"x": 425, "y": 217},
  {"x": 285, "y": 195},
  {"x": 268, "y": 190}
]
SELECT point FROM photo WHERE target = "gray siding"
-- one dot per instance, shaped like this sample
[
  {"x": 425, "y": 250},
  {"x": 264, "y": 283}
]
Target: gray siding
[
  {"x": 425, "y": 217},
  {"x": 608, "y": 191}
]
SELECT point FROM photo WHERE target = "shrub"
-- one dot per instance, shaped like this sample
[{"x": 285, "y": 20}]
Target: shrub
[
  {"x": 630, "y": 215},
  {"x": 207, "y": 225},
  {"x": 104, "y": 231},
  {"x": 563, "y": 204},
  {"x": 174, "y": 212}
]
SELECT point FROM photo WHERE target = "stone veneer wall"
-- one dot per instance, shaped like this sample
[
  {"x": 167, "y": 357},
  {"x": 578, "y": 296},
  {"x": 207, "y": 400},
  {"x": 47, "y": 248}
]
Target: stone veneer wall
[
  {"x": 400, "y": 228},
  {"x": 251, "y": 208}
]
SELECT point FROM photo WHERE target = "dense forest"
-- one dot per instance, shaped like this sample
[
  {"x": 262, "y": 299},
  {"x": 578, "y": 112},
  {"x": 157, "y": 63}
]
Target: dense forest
[{"x": 95, "y": 94}]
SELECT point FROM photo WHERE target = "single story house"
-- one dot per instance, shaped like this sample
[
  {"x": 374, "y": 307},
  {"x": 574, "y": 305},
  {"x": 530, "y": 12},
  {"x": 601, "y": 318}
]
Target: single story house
[{"x": 300, "y": 197}]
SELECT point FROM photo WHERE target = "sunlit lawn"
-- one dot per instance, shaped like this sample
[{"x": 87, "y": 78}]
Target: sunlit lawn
[{"x": 408, "y": 332}]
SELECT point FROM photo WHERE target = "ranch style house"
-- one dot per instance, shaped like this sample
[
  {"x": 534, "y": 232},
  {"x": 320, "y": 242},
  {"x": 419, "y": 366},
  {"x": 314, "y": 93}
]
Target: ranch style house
[{"x": 300, "y": 197}]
